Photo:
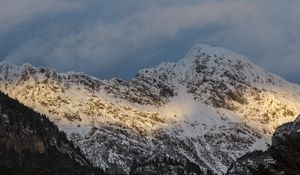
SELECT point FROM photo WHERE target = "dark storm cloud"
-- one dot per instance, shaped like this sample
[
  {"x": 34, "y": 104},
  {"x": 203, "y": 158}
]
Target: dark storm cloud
[{"x": 116, "y": 38}]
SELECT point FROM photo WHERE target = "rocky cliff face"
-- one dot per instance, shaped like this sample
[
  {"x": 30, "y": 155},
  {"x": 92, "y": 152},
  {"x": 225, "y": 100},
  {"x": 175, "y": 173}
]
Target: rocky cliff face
[
  {"x": 209, "y": 108},
  {"x": 31, "y": 144},
  {"x": 282, "y": 158}
]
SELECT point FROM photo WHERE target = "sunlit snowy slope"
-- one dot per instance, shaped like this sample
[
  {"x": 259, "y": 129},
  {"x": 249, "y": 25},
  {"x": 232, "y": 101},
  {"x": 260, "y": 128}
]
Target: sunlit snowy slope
[{"x": 209, "y": 108}]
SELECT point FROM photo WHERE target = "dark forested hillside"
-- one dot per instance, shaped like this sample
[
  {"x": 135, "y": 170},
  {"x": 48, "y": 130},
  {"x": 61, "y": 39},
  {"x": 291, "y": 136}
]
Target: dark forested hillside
[
  {"x": 31, "y": 144},
  {"x": 166, "y": 166},
  {"x": 282, "y": 158}
]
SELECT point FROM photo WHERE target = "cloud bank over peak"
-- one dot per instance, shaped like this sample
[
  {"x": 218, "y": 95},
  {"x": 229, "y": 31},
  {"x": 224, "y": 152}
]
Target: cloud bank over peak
[{"x": 115, "y": 38}]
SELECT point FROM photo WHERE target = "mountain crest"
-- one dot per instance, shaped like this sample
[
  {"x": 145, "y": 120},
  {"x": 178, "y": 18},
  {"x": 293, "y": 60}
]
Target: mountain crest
[{"x": 213, "y": 100}]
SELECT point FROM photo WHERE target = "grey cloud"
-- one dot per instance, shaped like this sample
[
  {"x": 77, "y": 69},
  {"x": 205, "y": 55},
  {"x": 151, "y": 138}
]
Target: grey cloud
[
  {"x": 269, "y": 37},
  {"x": 13, "y": 12},
  {"x": 104, "y": 35},
  {"x": 101, "y": 44}
]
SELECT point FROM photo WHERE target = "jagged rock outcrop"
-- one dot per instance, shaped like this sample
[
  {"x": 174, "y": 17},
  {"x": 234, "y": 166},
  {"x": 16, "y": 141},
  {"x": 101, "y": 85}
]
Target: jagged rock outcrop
[
  {"x": 282, "y": 158},
  {"x": 209, "y": 108}
]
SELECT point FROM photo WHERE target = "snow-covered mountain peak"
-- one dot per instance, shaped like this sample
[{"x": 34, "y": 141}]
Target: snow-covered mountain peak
[
  {"x": 214, "y": 53},
  {"x": 205, "y": 63},
  {"x": 221, "y": 64},
  {"x": 212, "y": 100}
]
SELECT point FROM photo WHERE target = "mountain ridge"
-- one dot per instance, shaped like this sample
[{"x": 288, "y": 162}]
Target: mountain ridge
[{"x": 176, "y": 108}]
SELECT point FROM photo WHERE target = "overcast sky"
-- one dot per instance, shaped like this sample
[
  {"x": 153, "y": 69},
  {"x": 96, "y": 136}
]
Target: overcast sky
[{"x": 116, "y": 38}]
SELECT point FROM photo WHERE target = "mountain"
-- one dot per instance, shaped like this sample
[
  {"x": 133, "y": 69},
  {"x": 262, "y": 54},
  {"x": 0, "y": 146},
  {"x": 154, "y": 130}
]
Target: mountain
[
  {"x": 31, "y": 144},
  {"x": 208, "y": 109},
  {"x": 282, "y": 158}
]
